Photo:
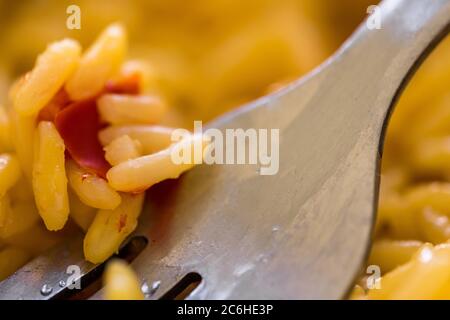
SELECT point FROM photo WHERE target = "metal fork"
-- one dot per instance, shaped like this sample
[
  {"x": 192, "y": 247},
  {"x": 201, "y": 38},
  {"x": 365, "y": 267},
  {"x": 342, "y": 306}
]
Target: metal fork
[{"x": 305, "y": 232}]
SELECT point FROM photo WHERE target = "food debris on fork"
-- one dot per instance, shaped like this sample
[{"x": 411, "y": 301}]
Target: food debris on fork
[{"x": 56, "y": 118}]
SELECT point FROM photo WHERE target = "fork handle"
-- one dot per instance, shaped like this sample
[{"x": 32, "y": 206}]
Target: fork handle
[{"x": 386, "y": 57}]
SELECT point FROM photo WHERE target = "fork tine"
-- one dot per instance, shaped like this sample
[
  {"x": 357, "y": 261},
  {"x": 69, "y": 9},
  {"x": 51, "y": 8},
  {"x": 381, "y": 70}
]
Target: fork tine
[{"x": 47, "y": 269}]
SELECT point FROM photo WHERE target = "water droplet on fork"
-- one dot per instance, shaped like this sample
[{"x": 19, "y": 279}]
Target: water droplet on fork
[
  {"x": 262, "y": 258},
  {"x": 239, "y": 271},
  {"x": 145, "y": 289},
  {"x": 62, "y": 283},
  {"x": 155, "y": 286},
  {"x": 149, "y": 291},
  {"x": 46, "y": 290}
]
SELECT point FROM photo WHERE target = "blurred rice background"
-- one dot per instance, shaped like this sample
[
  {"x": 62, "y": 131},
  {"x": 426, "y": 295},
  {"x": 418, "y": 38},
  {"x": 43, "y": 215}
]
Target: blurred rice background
[{"x": 207, "y": 55}]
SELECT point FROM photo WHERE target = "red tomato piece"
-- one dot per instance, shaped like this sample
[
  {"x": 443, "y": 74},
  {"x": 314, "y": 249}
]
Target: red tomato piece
[
  {"x": 58, "y": 102},
  {"x": 78, "y": 124}
]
